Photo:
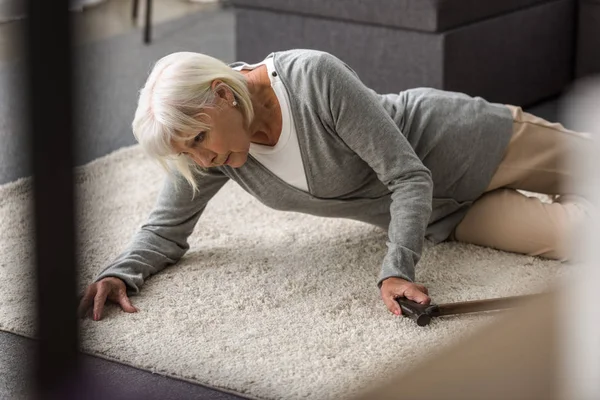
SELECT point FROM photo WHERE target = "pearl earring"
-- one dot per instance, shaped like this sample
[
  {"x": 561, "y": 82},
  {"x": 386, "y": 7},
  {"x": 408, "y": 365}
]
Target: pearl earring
[{"x": 234, "y": 103}]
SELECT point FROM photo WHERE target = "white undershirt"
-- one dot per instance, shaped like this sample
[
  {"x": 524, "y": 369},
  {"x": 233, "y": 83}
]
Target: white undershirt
[{"x": 283, "y": 159}]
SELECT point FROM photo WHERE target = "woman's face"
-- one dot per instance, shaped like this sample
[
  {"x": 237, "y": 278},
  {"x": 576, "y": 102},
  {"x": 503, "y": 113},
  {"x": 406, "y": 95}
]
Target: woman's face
[{"x": 227, "y": 142}]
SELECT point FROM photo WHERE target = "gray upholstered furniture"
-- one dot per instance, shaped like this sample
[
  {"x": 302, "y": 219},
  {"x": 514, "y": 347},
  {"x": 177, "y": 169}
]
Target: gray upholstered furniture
[{"x": 511, "y": 51}]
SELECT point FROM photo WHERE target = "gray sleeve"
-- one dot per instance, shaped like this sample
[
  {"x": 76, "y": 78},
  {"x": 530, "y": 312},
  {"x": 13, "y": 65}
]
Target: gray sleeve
[
  {"x": 366, "y": 128},
  {"x": 162, "y": 240}
]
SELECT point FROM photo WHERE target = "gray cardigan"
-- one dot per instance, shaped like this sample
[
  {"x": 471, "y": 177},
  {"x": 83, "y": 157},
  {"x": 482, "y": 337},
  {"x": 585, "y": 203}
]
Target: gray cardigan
[{"x": 411, "y": 163}]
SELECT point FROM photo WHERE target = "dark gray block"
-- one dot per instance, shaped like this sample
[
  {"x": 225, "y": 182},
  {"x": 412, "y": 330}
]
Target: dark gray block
[
  {"x": 412, "y": 57},
  {"x": 517, "y": 58},
  {"x": 421, "y": 15}
]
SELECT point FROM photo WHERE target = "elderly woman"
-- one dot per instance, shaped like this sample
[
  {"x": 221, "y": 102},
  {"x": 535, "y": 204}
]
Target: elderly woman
[{"x": 301, "y": 132}]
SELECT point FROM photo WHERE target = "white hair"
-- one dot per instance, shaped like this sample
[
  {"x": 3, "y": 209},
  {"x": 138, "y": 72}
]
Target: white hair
[{"x": 176, "y": 93}]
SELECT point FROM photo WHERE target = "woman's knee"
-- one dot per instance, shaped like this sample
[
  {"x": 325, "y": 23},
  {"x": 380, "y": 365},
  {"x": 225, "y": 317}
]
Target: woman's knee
[{"x": 507, "y": 220}]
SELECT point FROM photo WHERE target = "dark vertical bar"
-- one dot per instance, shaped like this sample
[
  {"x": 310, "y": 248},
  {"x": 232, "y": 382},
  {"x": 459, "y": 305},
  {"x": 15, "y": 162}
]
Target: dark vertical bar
[
  {"x": 574, "y": 42},
  {"x": 50, "y": 126},
  {"x": 134, "y": 9},
  {"x": 148, "y": 26}
]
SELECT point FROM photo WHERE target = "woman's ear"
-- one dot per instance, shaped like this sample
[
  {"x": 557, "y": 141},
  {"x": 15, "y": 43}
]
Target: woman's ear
[{"x": 222, "y": 90}]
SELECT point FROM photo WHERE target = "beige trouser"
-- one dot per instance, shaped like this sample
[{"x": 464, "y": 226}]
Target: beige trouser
[{"x": 537, "y": 160}]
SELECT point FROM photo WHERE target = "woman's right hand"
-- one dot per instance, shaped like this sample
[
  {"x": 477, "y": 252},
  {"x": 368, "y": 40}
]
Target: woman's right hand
[
  {"x": 111, "y": 288},
  {"x": 392, "y": 288}
]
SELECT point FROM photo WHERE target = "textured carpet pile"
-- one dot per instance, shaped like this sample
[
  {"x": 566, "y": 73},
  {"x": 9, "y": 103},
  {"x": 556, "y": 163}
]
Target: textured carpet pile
[{"x": 267, "y": 304}]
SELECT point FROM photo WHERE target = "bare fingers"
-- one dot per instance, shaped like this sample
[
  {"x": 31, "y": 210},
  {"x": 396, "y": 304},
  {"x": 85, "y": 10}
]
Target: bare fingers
[
  {"x": 124, "y": 302},
  {"x": 417, "y": 293},
  {"x": 87, "y": 301},
  {"x": 390, "y": 301},
  {"x": 100, "y": 299}
]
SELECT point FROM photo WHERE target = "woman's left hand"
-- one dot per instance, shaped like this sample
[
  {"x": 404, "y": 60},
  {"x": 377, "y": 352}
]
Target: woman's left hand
[{"x": 392, "y": 288}]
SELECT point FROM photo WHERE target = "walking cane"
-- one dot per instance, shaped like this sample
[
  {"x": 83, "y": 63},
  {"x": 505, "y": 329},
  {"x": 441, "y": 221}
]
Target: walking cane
[{"x": 422, "y": 313}]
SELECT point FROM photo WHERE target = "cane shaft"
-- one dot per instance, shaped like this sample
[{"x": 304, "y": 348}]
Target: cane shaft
[{"x": 482, "y": 305}]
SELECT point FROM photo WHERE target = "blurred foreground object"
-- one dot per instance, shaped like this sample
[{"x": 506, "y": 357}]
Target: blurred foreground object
[{"x": 580, "y": 334}]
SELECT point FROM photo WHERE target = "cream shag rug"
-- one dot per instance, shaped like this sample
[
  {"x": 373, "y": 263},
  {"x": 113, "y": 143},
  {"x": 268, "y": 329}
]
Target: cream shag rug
[{"x": 267, "y": 304}]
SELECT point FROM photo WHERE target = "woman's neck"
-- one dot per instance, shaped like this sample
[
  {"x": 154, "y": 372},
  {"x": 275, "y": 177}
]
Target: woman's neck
[{"x": 266, "y": 127}]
